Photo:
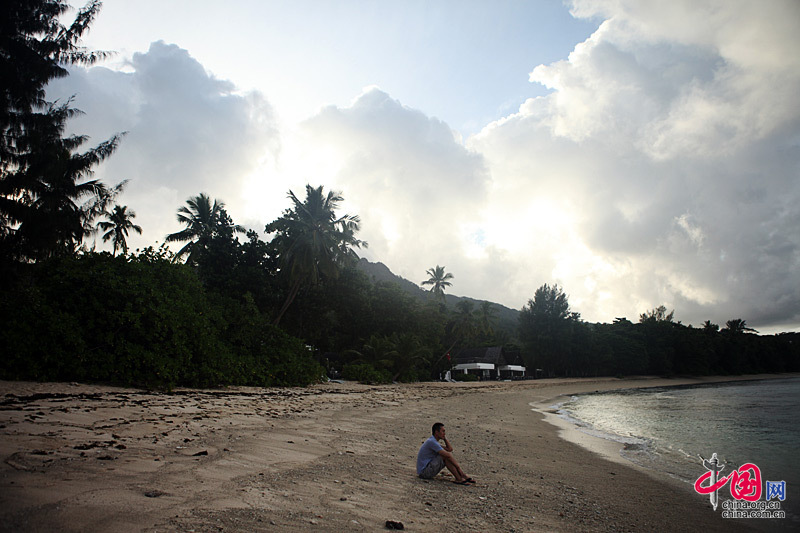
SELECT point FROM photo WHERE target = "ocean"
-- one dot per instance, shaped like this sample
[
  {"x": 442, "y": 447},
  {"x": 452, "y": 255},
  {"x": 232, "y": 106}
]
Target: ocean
[{"x": 668, "y": 429}]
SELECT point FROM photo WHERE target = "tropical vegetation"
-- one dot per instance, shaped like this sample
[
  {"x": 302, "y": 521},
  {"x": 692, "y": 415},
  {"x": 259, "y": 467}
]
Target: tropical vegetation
[
  {"x": 47, "y": 196},
  {"x": 231, "y": 308},
  {"x": 556, "y": 342},
  {"x": 118, "y": 224},
  {"x": 204, "y": 222},
  {"x": 314, "y": 241},
  {"x": 438, "y": 280}
]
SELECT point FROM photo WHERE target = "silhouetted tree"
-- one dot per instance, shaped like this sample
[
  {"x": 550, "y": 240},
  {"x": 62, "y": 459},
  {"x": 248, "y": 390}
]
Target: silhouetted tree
[
  {"x": 737, "y": 326},
  {"x": 204, "y": 221},
  {"x": 116, "y": 226},
  {"x": 465, "y": 326},
  {"x": 545, "y": 328},
  {"x": 312, "y": 241},
  {"x": 43, "y": 180},
  {"x": 438, "y": 281},
  {"x": 658, "y": 314}
]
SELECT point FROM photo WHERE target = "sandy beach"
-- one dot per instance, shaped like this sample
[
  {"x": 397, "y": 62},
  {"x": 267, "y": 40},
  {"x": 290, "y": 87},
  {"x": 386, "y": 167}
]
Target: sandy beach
[{"x": 332, "y": 457}]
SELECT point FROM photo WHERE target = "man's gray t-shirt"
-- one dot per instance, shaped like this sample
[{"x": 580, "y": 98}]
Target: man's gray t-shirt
[{"x": 430, "y": 449}]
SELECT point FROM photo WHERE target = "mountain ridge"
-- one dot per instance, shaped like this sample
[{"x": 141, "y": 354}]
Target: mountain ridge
[{"x": 378, "y": 271}]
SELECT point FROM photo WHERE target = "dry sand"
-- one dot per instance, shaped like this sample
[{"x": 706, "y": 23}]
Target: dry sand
[{"x": 333, "y": 457}]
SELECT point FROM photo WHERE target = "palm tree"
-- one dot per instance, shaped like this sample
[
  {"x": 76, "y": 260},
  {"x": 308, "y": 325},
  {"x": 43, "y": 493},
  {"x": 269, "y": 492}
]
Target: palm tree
[
  {"x": 438, "y": 281},
  {"x": 465, "y": 327},
  {"x": 41, "y": 199},
  {"x": 312, "y": 241},
  {"x": 203, "y": 221},
  {"x": 42, "y": 178},
  {"x": 116, "y": 227},
  {"x": 97, "y": 206},
  {"x": 737, "y": 326},
  {"x": 486, "y": 318},
  {"x": 411, "y": 355},
  {"x": 379, "y": 351}
]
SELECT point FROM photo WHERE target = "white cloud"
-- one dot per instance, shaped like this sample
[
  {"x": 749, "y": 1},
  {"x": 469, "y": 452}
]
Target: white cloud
[
  {"x": 673, "y": 133},
  {"x": 679, "y": 78},
  {"x": 188, "y": 132},
  {"x": 661, "y": 169},
  {"x": 413, "y": 184}
]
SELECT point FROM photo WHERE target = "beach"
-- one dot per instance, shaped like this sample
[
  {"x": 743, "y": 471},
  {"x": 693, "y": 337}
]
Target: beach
[{"x": 329, "y": 457}]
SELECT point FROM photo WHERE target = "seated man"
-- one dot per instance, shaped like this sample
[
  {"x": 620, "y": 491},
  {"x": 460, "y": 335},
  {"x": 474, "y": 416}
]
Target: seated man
[{"x": 432, "y": 457}]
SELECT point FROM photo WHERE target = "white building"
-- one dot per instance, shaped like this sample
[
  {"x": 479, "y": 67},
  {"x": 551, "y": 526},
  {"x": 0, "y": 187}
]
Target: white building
[{"x": 488, "y": 363}]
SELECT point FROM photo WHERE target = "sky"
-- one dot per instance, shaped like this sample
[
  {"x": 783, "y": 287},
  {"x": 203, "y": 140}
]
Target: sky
[{"x": 636, "y": 153}]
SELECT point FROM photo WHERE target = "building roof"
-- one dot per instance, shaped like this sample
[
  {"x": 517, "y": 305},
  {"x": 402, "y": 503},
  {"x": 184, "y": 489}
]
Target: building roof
[{"x": 493, "y": 355}]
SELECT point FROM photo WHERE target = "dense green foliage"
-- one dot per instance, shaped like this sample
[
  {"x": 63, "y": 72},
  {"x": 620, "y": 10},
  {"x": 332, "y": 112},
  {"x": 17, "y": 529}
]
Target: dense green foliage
[
  {"x": 314, "y": 242},
  {"x": 48, "y": 203},
  {"x": 142, "y": 321},
  {"x": 365, "y": 373},
  {"x": 147, "y": 319},
  {"x": 204, "y": 222},
  {"x": 560, "y": 344}
]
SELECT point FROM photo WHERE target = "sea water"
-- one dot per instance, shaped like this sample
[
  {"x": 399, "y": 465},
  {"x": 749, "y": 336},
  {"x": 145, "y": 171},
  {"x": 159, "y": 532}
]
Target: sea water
[{"x": 668, "y": 429}]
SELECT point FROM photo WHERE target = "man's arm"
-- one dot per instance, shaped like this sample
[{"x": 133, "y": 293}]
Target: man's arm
[{"x": 447, "y": 451}]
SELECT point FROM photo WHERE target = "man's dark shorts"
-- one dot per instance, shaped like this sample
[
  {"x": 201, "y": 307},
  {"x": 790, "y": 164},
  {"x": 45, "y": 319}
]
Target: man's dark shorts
[{"x": 433, "y": 468}]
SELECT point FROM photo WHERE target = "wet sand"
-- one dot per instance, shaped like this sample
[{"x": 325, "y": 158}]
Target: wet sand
[{"x": 332, "y": 457}]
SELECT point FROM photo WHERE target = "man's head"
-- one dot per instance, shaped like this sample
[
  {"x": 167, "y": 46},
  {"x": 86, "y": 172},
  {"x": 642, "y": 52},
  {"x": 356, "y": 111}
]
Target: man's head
[{"x": 437, "y": 430}]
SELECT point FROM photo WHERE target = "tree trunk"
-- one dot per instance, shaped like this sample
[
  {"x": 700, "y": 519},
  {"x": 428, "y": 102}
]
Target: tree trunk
[{"x": 289, "y": 299}]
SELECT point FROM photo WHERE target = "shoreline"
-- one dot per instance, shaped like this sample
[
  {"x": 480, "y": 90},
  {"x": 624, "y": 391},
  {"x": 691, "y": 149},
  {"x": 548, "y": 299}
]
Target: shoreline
[
  {"x": 611, "y": 449},
  {"x": 330, "y": 457}
]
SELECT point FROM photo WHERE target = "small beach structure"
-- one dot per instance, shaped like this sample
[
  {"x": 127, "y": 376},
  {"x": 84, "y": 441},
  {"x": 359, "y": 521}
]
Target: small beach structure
[{"x": 489, "y": 363}]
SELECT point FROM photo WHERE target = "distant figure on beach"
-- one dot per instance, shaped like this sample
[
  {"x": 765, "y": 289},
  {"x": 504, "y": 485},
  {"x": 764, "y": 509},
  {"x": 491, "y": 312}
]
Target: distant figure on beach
[{"x": 432, "y": 457}]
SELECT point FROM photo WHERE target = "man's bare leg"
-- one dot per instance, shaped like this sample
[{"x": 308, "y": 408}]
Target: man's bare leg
[{"x": 455, "y": 469}]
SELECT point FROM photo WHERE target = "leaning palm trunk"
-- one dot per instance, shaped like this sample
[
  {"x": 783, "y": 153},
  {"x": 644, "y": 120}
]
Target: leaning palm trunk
[
  {"x": 289, "y": 299},
  {"x": 312, "y": 240}
]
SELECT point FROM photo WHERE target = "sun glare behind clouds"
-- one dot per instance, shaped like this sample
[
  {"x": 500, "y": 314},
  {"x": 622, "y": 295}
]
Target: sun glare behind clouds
[{"x": 656, "y": 165}]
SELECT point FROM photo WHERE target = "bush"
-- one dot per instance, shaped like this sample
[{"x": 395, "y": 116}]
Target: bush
[
  {"x": 365, "y": 373},
  {"x": 465, "y": 377},
  {"x": 264, "y": 354},
  {"x": 143, "y": 321}
]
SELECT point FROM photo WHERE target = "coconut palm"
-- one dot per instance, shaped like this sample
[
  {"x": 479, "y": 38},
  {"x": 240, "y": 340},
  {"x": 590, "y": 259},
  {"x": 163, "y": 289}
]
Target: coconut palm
[
  {"x": 98, "y": 206},
  {"x": 42, "y": 200},
  {"x": 312, "y": 241},
  {"x": 411, "y": 356},
  {"x": 465, "y": 327},
  {"x": 737, "y": 326},
  {"x": 379, "y": 352},
  {"x": 116, "y": 226},
  {"x": 438, "y": 281},
  {"x": 486, "y": 318},
  {"x": 203, "y": 221}
]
